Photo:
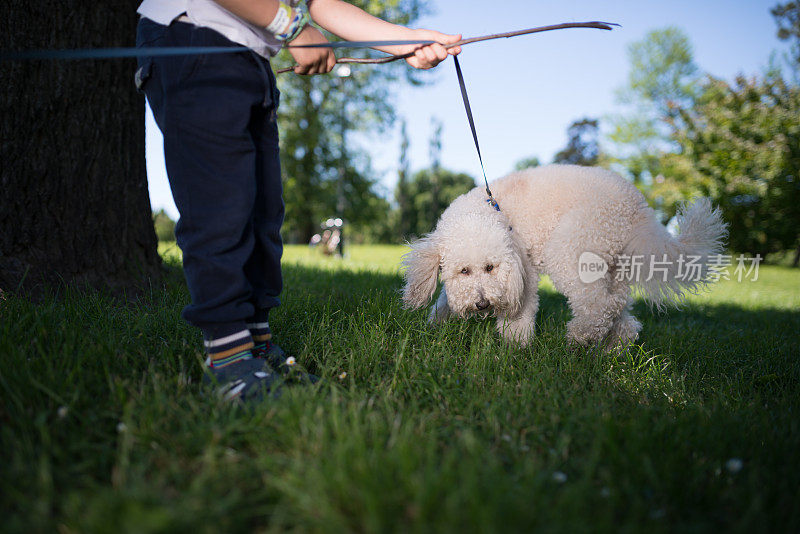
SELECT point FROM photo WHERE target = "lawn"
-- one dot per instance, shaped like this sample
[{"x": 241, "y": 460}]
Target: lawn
[{"x": 695, "y": 429}]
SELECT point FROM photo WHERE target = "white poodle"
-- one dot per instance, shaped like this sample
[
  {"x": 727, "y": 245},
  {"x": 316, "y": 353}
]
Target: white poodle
[{"x": 587, "y": 228}]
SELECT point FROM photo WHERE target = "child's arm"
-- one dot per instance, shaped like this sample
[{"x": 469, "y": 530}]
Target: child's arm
[
  {"x": 261, "y": 13},
  {"x": 348, "y": 22},
  {"x": 351, "y": 23}
]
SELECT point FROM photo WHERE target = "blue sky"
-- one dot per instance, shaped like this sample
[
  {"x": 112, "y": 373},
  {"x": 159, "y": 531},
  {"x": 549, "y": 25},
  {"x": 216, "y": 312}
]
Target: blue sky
[{"x": 526, "y": 91}]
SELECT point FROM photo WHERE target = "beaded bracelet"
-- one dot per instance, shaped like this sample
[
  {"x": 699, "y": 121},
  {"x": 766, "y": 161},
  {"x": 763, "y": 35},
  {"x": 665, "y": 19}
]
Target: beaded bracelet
[
  {"x": 281, "y": 20},
  {"x": 298, "y": 22}
]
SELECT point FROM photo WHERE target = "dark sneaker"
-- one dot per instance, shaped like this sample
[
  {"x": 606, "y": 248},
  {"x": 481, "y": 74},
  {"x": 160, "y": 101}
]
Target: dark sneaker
[
  {"x": 271, "y": 352},
  {"x": 285, "y": 365},
  {"x": 246, "y": 381}
]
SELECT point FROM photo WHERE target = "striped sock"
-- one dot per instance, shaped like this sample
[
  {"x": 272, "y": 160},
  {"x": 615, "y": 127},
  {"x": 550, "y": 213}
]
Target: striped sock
[
  {"x": 228, "y": 350},
  {"x": 261, "y": 334}
]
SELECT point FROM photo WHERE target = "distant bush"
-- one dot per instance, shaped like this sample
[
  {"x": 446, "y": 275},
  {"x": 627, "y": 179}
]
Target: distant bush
[{"x": 165, "y": 227}]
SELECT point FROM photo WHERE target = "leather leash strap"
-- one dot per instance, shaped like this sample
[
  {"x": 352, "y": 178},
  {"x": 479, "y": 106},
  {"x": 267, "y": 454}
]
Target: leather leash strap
[{"x": 468, "y": 109}]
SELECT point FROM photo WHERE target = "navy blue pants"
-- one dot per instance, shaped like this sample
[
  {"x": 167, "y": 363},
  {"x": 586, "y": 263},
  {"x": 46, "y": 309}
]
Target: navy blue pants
[{"x": 218, "y": 116}]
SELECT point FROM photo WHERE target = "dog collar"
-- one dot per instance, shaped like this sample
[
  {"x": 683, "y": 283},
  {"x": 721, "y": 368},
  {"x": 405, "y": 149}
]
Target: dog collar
[{"x": 493, "y": 203}]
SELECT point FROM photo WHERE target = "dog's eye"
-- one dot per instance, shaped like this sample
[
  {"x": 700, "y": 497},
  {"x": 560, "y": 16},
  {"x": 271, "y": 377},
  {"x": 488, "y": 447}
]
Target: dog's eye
[
  {"x": 489, "y": 268},
  {"x": 465, "y": 270}
]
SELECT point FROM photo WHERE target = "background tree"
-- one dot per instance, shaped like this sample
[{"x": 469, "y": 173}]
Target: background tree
[
  {"x": 426, "y": 209},
  {"x": 310, "y": 120},
  {"x": 582, "y": 147},
  {"x": 741, "y": 147},
  {"x": 662, "y": 79},
  {"x": 401, "y": 191},
  {"x": 431, "y": 190},
  {"x": 435, "y": 153},
  {"x": 74, "y": 203},
  {"x": 787, "y": 17},
  {"x": 526, "y": 163},
  {"x": 164, "y": 225}
]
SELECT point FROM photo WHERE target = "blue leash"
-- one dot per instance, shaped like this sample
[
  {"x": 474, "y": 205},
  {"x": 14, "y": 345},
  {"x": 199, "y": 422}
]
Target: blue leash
[
  {"x": 108, "y": 53},
  {"x": 130, "y": 52},
  {"x": 159, "y": 51}
]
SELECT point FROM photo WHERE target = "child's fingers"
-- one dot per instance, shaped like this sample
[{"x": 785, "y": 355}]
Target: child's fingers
[
  {"x": 440, "y": 51},
  {"x": 446, "y": 39},
  {"x": 449, "y": 39},
  {"x": 305, "y": 68},
  {"x": 430, "y": 55},
  {"x": 422, "y": 59},
  {"x": 453, "y": 39}
]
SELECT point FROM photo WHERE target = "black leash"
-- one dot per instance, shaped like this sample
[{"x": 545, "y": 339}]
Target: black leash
[{"x": 468, "y": 109}]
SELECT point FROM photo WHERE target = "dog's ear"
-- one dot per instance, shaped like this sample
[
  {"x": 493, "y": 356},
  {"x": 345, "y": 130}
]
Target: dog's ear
[
  {"x": 517, "y": 278},
  {"x": 422, "y": 272}
]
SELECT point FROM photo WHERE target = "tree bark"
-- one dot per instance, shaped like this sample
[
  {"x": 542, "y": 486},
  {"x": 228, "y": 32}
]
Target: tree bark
[{"x": 75, "y": 205}]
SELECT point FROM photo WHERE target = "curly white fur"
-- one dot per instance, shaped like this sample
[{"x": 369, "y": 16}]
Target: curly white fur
[{"x": 491, "y": 261}]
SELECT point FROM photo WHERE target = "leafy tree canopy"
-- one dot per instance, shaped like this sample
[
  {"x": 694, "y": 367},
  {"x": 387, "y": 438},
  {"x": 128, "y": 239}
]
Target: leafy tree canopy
[
  {"x": 430, "y": 192},
  {"x": 662, "y": 80},
  {"x": 741, "y": 148},
  {"x": 526, "y": 163},
  {"x": 582, "y": 147},
  {"x": 787, "y": 17}
]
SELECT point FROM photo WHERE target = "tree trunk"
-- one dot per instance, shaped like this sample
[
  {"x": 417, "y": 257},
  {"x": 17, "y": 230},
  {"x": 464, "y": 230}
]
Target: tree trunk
[
  {"x": 75, "y": 206},
  {"x": 307, "y": 179},
  {"x": 796, "y": 260}
]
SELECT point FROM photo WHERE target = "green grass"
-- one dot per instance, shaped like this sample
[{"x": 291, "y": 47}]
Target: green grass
[{"x": 104, "y": 427}]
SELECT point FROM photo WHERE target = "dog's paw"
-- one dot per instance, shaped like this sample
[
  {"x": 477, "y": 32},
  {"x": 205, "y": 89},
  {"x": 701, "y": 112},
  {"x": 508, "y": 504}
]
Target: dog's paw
[
  {"x": 518, "y": 332},
  {"x": 585, "y": 334},
  {"x": 438, "y": 315},
  {"x": 624, "y": 333}
]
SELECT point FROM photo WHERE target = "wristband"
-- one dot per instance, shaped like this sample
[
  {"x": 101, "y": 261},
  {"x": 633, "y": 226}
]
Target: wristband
[
  {"x": 281, "y": 20},
  {"x": 299, "y": 21}
]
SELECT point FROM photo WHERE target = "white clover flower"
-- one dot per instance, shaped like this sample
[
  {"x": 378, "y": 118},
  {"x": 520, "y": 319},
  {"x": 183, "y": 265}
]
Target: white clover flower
[
  {"x": 62, "y": 412},
  {"x": 559, "y": 477},
  {"x": 290, "y": 361},
  {"x": 734, "y": 465},
  {"x": 121, "y": 427},
  {"x": 343, "y": 375}
]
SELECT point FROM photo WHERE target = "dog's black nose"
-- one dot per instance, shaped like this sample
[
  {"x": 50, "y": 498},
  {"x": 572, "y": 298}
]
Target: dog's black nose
[{"x": 482, "y": 304}]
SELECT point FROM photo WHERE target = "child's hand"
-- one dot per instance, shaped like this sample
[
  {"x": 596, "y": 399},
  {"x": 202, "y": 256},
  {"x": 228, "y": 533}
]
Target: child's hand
[
  {"x": 312, "y": 60},
  {"x": 431, "y": 55}
]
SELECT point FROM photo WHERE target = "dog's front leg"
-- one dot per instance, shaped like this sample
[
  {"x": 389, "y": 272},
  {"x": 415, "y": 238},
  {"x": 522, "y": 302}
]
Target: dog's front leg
[
  {"x": 520, "y": 328},
  {"x": 440, "y": 311}
]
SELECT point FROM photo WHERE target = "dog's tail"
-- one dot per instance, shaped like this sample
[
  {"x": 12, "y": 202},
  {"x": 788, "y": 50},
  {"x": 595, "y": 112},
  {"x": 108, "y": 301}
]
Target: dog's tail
[{"x": 664, "y": 267}]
